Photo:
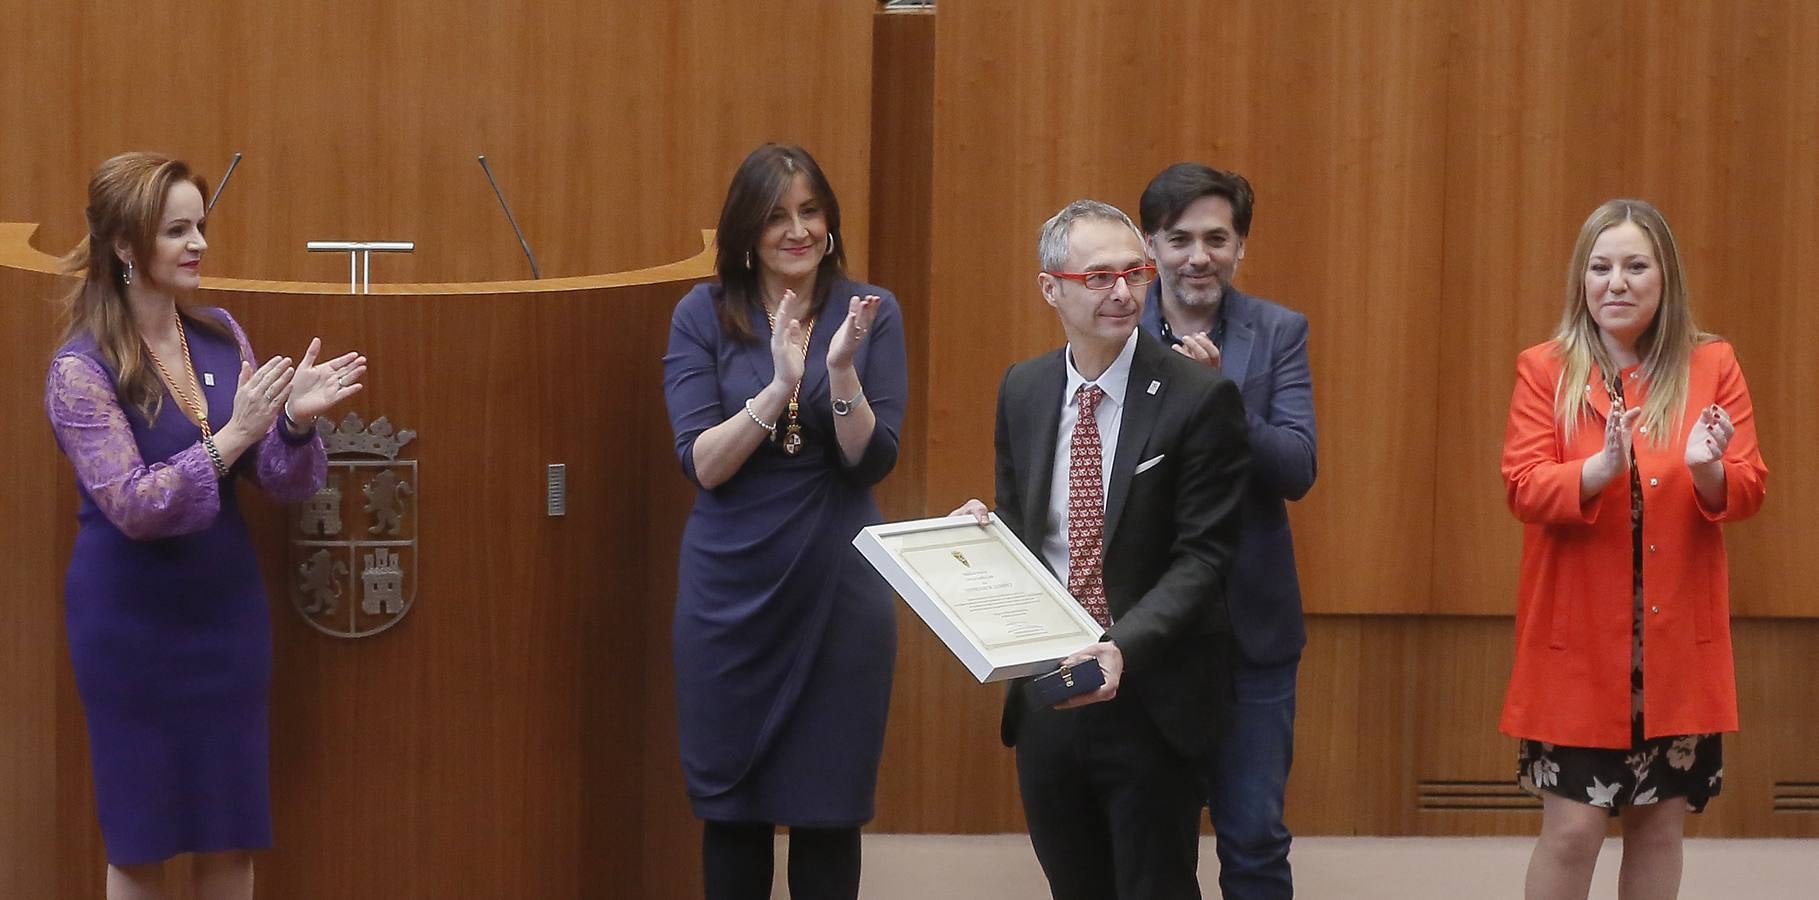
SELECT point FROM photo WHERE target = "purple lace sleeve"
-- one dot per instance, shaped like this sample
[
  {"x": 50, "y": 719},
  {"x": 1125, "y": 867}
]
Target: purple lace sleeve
[
  {"x": 286, "y": 468},
  {"x": 176, "y": 496},
  {"x": 290, "y": 472}
]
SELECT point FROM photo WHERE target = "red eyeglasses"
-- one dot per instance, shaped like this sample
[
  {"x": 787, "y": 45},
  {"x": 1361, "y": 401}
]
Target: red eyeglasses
[{"x": 1104, "y": 281}]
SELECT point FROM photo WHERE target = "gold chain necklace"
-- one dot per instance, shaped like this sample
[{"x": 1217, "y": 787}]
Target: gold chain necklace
[
  {"x": 792, "y": 439},
  {"x": 193, "y": 403}
]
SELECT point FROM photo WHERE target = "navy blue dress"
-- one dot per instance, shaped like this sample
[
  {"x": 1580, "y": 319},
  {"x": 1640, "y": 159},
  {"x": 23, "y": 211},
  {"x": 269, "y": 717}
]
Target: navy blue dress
[{"x": 784, "y": 637}]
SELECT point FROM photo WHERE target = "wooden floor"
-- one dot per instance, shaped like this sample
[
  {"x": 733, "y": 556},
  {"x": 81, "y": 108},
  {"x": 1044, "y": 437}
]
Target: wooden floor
[{"x": 1001, "y": 867}]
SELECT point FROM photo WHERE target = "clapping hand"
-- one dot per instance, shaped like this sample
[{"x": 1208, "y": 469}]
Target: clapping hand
[
  {"x": 860, "y": 311},
  {"x": 260, "y": 394},
  {"x": 1199, "y": 348},
  {"x": 1614, "y": 456},
  {"x": 789, "y": 341},
  {"x": 1709, "y": 437},
  {"x": 317, "y": 387}
]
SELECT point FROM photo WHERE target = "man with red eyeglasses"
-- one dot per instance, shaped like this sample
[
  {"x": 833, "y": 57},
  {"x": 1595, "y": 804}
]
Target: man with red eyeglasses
[
  {"x": 1122, "y": 466},
  {"x": 1197, "y": 219}
]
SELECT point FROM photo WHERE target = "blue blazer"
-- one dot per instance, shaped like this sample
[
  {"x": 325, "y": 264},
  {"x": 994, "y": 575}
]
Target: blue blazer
[{"x": 1265, "y": 352}]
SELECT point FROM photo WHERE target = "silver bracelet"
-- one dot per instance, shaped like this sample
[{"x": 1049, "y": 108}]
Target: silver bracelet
[
  {"x": 214, "y": 457},
  {"x": 767, "y": 426}
]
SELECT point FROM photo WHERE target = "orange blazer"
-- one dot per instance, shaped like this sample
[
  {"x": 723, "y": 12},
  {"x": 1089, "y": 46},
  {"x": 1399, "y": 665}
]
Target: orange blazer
[{"x": 1571, "y": 683}]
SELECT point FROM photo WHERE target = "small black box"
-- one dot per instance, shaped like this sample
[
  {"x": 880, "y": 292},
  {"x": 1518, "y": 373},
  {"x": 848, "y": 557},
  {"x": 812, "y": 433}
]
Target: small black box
[{"x": 1055, "y": 687}]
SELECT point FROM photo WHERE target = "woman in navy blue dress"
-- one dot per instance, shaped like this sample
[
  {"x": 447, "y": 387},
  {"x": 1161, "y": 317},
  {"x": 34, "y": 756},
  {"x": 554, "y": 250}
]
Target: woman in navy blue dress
[
  {"x": 785, "y": 383},
  {"x": 160, "y": 410}
]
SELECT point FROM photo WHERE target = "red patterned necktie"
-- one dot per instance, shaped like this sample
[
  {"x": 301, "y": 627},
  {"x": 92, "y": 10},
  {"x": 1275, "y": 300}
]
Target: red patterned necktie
[{"x": 1086, "y": 510}]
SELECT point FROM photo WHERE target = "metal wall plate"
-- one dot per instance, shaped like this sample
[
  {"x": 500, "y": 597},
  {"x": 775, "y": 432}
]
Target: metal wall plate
[{"x": 556, "y": 498}]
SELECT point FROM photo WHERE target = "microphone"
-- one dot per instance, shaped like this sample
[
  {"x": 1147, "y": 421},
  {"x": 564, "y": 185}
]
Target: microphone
[
  {"x": 223, "y": 185},
  {"x": 535, "y": 273}
]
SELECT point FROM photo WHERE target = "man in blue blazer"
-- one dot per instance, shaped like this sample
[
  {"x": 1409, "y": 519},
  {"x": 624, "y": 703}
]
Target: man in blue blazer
[{"x": 1196, "y": 220}]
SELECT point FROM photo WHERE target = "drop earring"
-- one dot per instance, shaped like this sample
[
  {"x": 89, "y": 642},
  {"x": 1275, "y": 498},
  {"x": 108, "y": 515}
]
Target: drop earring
[
  {"x": 748, "y": 259},
  {"x": 127, "y": 276}
]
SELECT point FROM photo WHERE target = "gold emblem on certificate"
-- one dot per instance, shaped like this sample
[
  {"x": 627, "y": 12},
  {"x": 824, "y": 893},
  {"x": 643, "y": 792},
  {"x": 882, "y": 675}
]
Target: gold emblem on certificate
[{"x": 992, "y": 595}]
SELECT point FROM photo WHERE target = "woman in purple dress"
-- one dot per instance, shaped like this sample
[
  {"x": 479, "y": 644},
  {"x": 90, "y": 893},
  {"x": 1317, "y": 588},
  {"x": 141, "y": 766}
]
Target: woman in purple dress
[
  {"x": 786, "y": 385},
  {"x": 160, "y": 410}
]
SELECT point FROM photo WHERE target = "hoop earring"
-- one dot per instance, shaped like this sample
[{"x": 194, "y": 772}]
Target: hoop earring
[
  {"x": 830, "y": 243},
  {"x": 127, "y": 276},
  {"x": 748, "y": 259}
]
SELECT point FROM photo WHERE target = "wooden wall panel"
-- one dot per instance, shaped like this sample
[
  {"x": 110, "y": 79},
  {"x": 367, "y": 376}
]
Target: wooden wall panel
[
  {"x": 613, "y": 128},
  {"x": 1335, "y": 114},
  {"x": 33, "y": 634},
  {"x": 1712, "y": 113},
  {"x": 1330, "y": 726},
  {"x": 902, "y": 227},
  {"x": 942, "y": 738}
]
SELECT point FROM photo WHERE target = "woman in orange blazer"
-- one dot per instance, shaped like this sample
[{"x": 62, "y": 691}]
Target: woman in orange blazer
[{"x": 1630, "y": 441}]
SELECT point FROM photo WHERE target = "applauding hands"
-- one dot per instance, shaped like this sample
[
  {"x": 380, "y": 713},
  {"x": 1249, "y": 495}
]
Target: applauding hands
[
  {"x": 302, "y": 392},
  {"x": 1706, "y": 442},
  {"x": 317, "y": 387},
  {"x": 1709, "y": 436},
  {"x": 860, "y": 311},
  {"x": 259, "y": 396},
  {"x": 1614, "y": 457},
  {"x": 1199, "y": 348},
  {"x": 789, "y": 340}
]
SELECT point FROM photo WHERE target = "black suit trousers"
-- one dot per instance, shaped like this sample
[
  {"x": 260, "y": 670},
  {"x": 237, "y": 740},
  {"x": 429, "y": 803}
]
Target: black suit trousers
[{"x": 1113, "y": 808}]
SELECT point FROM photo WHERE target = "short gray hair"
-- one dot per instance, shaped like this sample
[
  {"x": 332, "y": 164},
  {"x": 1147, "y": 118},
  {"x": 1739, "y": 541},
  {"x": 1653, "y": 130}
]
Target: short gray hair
[{"x": 1051, "y": 247}]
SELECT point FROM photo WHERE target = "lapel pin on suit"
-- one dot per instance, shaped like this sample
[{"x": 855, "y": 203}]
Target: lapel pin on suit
[{"x": 1154, "y": 387}]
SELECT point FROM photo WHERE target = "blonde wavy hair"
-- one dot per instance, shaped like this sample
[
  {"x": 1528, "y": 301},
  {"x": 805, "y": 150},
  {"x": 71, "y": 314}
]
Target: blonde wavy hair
[{"x": 1665, "y": 347}]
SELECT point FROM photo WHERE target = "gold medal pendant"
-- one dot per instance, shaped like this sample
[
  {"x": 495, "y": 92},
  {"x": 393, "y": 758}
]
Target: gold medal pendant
[
  {"x": 792, "y": 439},
  {"x": 792, "y": 444}
]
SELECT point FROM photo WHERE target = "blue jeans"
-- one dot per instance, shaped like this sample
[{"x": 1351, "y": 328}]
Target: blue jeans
[{"x": 1247, "y": 773}]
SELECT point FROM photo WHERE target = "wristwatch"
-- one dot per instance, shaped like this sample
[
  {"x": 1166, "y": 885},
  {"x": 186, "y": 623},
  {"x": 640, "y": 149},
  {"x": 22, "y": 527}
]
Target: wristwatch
[{"x": 843, "y": 407}]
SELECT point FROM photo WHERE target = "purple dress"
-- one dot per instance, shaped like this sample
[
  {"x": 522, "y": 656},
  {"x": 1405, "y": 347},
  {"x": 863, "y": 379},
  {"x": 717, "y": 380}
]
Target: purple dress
[
  {"x": 784, "y": 637},
  {"x": 169, "y": 632}
]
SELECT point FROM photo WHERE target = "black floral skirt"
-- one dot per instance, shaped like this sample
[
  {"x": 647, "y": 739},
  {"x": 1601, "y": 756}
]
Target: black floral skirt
[{"x": 1689, "y": 766}]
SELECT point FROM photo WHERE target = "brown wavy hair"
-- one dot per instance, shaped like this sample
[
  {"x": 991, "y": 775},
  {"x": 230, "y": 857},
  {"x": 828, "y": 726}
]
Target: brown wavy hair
[
  {"x": 125, "y": 204},
  {"x": 757, "y": 186}
]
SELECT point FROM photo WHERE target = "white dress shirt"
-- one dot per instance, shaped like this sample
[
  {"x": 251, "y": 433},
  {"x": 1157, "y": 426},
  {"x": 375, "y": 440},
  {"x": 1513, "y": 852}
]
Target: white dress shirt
[{"x": 1109, "y": 414}]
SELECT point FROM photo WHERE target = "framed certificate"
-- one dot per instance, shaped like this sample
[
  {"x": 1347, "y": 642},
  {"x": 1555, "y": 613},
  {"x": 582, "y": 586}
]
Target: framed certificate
[{"x": 991, "y": 601}]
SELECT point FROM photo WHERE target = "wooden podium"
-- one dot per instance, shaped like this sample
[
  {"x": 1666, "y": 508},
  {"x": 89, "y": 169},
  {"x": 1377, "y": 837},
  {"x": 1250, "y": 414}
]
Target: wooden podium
[{"x": 513, "y": 735}]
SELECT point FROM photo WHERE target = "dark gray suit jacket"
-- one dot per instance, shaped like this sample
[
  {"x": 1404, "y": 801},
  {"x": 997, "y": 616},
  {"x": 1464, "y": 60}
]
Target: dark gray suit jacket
[
  {"x": 1170, "y": 532},
  {"x": 1265, "y": 352}
]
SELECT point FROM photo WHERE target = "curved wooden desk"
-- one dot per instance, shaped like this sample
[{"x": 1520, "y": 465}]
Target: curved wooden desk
[{"x": 514, "y": 735}]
